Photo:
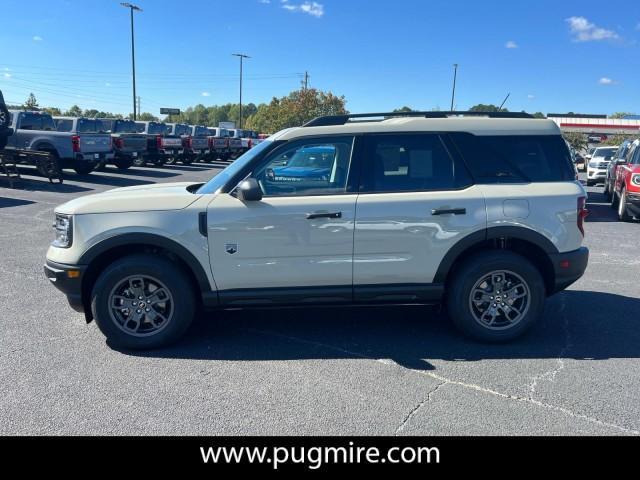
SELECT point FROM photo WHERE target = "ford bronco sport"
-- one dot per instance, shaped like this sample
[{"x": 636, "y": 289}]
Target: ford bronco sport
[{"x": 479, "y": 211}]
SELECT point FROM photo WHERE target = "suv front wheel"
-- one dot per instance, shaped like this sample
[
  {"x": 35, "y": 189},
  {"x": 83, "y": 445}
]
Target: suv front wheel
[
  {"x": 142, "y": 302},
  {"x": 495, "y": 296}
]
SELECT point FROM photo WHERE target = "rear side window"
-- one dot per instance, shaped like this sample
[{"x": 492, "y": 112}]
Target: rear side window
[
  {"x": 409, "y": 163},
  {"x": 64, "y": 125},
  {"x": 36, "y": 121},
  {"x": 515, "y": 158}
]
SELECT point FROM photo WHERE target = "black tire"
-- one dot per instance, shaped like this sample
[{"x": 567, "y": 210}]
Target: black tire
[
  {"x": 83, "y": 167},
  {"x": 606, "y": 192},
  {"x": 473, "y": 270},
  {"x": 172, "y": 278},
  {"x": 139, "y": 162},
  {"x": 123, "y": 163},
  {"x": 613, "y": 201},
  {"x": 169, "y": 161},
  {"x": 623, "y": 213},
  {"x": 187, "y": 160}
]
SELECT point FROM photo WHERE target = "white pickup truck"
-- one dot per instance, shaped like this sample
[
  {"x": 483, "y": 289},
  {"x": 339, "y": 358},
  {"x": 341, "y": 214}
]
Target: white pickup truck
[
  {"x": 161, "y": 144},
  {"x": 81, "y": 147}
]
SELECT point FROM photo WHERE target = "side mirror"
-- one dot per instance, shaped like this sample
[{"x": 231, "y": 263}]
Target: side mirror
[{"x": 249, "y": 190}]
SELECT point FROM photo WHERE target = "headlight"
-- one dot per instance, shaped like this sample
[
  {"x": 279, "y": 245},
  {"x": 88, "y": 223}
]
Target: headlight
[
  {"x": 635, "y": 179},
  {"x": 64, "y": 231}
]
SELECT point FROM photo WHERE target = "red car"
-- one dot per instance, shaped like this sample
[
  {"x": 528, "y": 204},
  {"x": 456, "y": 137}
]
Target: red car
[{"x": 625, "y": 194}]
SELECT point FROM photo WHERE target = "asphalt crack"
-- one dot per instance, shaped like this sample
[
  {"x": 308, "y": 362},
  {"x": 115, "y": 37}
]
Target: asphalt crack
[
  {"x": 417, "y": 408},
  {"x": 550, "y": 375},
  {"x": 447, "y": 381}
]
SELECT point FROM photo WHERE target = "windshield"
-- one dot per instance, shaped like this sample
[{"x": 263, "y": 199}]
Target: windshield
[
  {"x": 605, "y": 152},
  {"x": 182, "y": 129},
  {"x": 313, "y": 158},
  {"x": 125, "y": 126},
  {"x": 217, "y": 182},
  {"x": 156, "y": 128}
]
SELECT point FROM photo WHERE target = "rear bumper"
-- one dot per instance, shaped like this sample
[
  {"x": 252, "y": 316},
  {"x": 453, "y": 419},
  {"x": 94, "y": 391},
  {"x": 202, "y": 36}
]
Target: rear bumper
[
  {"x": 568, "y": 267},
  {"x": 91, "y": 157},
  {"x": 67, "y": 279}
]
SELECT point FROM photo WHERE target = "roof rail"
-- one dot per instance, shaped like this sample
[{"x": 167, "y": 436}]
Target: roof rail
[{"x": 343, "y": 119}]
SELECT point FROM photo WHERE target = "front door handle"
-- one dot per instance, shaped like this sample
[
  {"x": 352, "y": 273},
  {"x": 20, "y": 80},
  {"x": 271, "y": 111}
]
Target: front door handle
[
  {"x": 449, "y": 211},
  {"x": 312, "y": 216}
]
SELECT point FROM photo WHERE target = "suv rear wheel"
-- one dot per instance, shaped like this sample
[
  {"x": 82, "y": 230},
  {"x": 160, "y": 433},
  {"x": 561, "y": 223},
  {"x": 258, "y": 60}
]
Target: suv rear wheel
[
  {"x": 142, "y": 302},
  {"x": 495, "y": 296},
  {"x": 83, "y": 167}
]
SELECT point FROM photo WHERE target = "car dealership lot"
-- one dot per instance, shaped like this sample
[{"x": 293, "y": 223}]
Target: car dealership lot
[{"x": 390, "y": 370}]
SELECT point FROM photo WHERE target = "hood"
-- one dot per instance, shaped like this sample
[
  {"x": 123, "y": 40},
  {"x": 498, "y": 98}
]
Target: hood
[{"x": 159, "y": 196}]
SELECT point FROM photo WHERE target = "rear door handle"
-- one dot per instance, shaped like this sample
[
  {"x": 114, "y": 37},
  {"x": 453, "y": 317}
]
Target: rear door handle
[
  {"x": 312, "y": 216},
  {"x": 449, "y": 211}
]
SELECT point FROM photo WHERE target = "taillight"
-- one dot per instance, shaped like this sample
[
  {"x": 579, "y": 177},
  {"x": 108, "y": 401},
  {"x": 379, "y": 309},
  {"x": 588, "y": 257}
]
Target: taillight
[
  {"x": 75, "y": 143},
  {"x": 210, "y": 139},
  {"x": 189, "y": 142},
  {"x": 582, "y": 213},
  {"x": 118, "y": 142},
  {"x": 249, "y": 143},
  {"x": 159, "y": 141}
]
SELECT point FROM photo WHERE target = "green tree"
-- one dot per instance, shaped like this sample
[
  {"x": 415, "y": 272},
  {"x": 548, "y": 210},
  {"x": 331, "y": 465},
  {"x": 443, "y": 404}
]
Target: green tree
[
  {"x": 620, "y": 114},
  {"x": 481, "y": 107},
  {"x": 577, "y": 141},
  {"x": 74, "y": 111},
  {"x": 31, "y": 103},
  {"x": 295, "y": 109},
  {"x": 615, "y": 140},
  {"x": 53, "y": 111},
  {"x": 539, "y": 115},
  {"x": 403, "y": 110},
  {"x": 146, "y": 117}
]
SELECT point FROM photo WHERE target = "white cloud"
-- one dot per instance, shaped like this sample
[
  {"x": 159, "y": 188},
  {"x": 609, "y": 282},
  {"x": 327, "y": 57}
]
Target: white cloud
[
  {"x": 107, "y": 84},
  {"x": 511, "y": 44},
  {"x": 531, "y": 97},
  {"x": 206, "y": 94},
  {"x": 37, "y": 38},
  {"x": 6, "y": 75},
  {"x": 585, "y": 31},
  {"x": 314, "y": 9},
  {"x": 606, "y": 81},
  {"x": 266, "y": 2}
]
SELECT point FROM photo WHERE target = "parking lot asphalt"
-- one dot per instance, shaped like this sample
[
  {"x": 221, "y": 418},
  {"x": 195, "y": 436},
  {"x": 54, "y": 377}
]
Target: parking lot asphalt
[{"x": 370, "y": 371}]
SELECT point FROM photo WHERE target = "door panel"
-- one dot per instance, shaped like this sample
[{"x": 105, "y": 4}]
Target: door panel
[
  {"x": 399, "y": 240},
  {"x": 272, "y": 244}
]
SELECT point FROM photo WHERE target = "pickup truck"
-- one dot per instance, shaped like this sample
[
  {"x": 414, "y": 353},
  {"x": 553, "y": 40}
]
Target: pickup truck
[
  {"x": 5, "y": 123},
  {"x": 183, "y": 131},
  {"x": 161, "y": 145},
  {"x": 249, "y": 138},
  {"x": 128, "y": 144},
  {"x": 80, "y": 148},
  {"x": 232, "y": 145},
  {"x": 196, "y": 145}
]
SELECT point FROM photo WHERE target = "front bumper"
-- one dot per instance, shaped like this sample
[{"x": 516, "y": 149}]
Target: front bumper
[
  {"x": 67, "y": 279},
  {"x": 568, "y": 267},
  {"x": 593, "y": 174},
  {"x": 633, "y": 203}
]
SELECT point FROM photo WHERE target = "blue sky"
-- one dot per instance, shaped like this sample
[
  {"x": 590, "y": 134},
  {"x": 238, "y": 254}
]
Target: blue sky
[{"x": 550, "y": 55}]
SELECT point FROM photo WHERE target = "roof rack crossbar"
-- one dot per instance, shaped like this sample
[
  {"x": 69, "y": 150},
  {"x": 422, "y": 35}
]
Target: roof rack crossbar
[{"x": 328, "y": 120}]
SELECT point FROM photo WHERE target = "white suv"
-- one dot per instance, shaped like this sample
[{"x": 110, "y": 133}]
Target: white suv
[
  {"x": 598, "y": 164},
  {"x": 482, "y": 212}
]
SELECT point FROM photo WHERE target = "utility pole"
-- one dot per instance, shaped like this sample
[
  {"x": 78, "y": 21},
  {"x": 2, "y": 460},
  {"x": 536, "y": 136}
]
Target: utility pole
[
  {"x": 139, "y": 109},
  {"x": 242, "y": 56},
  {"x": 453, "y": 92},
  {"x": 306, "y": 80},
  {"x": 131, "y": 8}
]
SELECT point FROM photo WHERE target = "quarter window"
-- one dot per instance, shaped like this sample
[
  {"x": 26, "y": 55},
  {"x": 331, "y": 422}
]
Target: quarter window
[{"x": 319, "y": 167}]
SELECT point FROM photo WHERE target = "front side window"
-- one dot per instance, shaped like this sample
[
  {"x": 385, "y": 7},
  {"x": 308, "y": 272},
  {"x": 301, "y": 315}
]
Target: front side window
[
  {"x": 309, "y": 167},
  {"x": 409, "y": 163},
  {"x": 64, "y": 125}
]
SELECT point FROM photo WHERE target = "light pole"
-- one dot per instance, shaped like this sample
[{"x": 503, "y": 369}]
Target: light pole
[
  {"x": 242, "y": 56},
  {"x": 132, "y": 7},
  {"x": 453, "y": 92}
]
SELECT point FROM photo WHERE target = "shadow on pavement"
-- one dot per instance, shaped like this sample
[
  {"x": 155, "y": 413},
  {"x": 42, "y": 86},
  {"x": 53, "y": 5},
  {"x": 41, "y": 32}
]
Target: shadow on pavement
[
  {"x": 601, "y": 326},
  {"x": 13, "y": 202},
  {"x": 600, "y": 209}
]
